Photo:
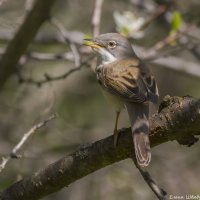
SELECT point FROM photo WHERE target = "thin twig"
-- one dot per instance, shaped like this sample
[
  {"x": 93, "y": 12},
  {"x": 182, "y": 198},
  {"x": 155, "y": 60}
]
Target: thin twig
[
  {"x": 25, "y": 137},
  {"x": 166, "y": 59},
  {"x": 65, "y": 34},
  {"x": 148, "y": 6},
  {"x": 158, "y": 12},
  {"x": 49, "y": 78},
  {"x": 159, "y": 192},
  {"x": 96, "y": 18},
  {"x": 51, "y": 56},
  {"x": 150, "y": 54},
  {"x": 43, "y": 56},
  {"x": 77, "y": 57},
  {"x": 170, "y": 39},
  {"x": 180, "y": 65}
]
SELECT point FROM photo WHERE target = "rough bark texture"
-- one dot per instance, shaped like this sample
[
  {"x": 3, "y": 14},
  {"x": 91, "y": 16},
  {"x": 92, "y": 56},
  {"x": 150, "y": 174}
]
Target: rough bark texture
[
  {"x": 27, "y": 31},
  {"x": 178, "y": 119}
]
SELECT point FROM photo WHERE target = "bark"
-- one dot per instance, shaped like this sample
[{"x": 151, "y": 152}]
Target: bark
[
  {"x": 26, "y": 33},
  {"x": 178, "y": 119}
]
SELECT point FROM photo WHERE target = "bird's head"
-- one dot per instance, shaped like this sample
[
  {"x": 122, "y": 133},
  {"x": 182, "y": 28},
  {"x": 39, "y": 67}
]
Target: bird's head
[{"x": 111, "y": 47}]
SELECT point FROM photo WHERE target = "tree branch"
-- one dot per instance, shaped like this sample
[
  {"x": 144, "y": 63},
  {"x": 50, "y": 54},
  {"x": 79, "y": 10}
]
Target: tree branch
[
  {"x": 25, "y": 137},
  {"x": 48, "y": 78},
  {"x": 96, "y": 18},
  {"x": 66, "y": 36},
  {"x": 178, "y": 119},
  {"x": 23, "y": 37}
]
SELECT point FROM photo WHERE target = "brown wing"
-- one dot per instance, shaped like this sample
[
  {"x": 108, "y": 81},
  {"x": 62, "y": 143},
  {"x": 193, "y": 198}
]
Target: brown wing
[
  {"x": 124, "y": 79},
  {"x": 150, "y": 83}
]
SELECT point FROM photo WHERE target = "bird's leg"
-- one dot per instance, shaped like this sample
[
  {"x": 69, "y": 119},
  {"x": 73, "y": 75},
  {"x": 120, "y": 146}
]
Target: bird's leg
[{"x": 115, "y": 129}]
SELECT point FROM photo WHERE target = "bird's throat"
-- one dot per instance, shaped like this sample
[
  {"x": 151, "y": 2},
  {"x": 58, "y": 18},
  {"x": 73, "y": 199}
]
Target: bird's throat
[{"x": 106, "y": 56}]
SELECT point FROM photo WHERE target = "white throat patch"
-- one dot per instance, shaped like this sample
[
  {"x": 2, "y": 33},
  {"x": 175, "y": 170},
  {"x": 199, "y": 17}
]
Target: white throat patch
[{"x": 107, "y": 57}]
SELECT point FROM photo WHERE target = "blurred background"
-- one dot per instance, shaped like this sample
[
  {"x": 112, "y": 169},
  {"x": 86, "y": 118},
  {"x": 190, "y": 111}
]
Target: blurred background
[{"x": 164, "y": 33}]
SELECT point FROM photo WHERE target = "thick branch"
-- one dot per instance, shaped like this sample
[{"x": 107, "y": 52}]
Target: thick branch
[
  {"x": 178, "y": 119},
  {"x": 23, "y": 37}
]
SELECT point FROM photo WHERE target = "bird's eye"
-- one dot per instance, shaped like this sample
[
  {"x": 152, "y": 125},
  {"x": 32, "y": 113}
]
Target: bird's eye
[{"x": 112, "y": 44}]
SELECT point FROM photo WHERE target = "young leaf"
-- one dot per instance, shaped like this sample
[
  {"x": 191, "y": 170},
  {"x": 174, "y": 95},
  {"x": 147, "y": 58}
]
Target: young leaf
[{"x": 176, "y": 21}]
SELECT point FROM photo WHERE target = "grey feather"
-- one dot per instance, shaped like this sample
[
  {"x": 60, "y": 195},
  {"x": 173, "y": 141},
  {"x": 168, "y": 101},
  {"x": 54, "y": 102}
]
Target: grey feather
[{"x": 138, "y": 115}]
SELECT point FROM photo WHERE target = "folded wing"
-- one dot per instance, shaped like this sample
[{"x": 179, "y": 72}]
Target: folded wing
[{"x": 129, "y": 81}]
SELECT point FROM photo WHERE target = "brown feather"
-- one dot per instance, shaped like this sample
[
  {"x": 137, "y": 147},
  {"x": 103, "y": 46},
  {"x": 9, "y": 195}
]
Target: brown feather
[{"x": 128, "y": 79}]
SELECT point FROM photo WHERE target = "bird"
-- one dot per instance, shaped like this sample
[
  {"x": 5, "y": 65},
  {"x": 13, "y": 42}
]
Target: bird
[{"x": 127, "y": 83}]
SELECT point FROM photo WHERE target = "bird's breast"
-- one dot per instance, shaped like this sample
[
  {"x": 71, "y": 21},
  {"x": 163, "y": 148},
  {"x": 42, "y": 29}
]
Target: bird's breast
[
  {"x": 115, "y": 101},
  {"x": 102, "y": 71},
  {"x": 99, "y": 73}
]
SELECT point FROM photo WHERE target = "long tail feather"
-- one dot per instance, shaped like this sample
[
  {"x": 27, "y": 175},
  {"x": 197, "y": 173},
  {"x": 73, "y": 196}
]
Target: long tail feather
[{"x": 139, "y": 118}]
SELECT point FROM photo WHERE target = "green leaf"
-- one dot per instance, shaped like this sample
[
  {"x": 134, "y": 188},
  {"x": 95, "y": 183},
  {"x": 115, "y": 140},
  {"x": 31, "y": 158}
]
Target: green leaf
[
  {"x": 87, "y": 36},
  {"x": 176, "y": 21}
]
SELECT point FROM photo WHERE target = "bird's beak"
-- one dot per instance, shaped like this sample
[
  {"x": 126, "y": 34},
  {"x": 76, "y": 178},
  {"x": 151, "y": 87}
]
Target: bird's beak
[{"x": 93, "y": 44}]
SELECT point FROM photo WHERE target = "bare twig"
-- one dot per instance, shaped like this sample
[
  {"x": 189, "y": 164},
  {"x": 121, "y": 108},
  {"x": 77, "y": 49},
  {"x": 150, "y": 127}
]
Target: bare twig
[
  {"x": 171, "y": 38},
  {"x": 51, "y": 56},
  {"x": 74, "y": 50},
  {"x": 77, "y": 57},
  {"x": 49, "y": 78},
  {"x": 148, "y": 6},
  {"x": 179, "y": 64},
  {"x": 65, "y": 34},
  {"x": 42, "y": 37},
  {"x": 62, "y": 31},
  {"x": 157, "y": 13},
  {"x": 172, "y": 62},
  {"x": 40, "y": 56},
  {"x": 96, "y": 18},
  {"x": 151, "y": 54},
  {"x": 159, "y": 192},
  {"x": 25, "y": 137}
]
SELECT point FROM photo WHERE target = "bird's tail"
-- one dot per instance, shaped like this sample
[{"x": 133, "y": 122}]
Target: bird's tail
[{"x": 139, "y": 118}]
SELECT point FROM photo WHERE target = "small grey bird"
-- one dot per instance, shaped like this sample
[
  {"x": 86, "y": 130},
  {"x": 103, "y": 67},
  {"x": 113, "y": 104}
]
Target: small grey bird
[{"x": 127, "y": 83}]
